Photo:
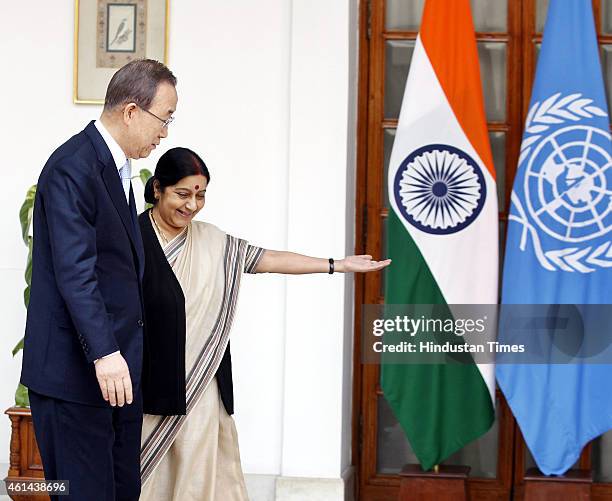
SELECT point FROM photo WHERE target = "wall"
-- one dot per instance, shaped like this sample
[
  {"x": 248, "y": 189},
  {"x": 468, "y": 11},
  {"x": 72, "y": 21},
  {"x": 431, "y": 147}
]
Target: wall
[{"x": 267, "y": 94}]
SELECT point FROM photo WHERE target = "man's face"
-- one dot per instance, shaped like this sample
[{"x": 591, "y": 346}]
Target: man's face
[{"x": 145, "y": 130}]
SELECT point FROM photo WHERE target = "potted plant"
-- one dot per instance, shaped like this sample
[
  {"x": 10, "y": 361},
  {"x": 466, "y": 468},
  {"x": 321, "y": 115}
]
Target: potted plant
[{"x": 25, "y": 461}]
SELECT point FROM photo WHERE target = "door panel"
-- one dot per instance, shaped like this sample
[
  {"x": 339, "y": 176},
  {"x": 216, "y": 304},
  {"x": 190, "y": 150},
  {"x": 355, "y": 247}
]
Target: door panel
[{"x": 508, "y": 33}]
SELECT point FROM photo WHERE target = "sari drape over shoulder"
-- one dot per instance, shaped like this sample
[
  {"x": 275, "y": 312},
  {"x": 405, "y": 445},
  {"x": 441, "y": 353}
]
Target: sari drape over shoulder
[{"x": 195, "y": 456}]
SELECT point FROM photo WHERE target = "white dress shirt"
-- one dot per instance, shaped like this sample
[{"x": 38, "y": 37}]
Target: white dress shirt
[{"x": 117, "y": 153}]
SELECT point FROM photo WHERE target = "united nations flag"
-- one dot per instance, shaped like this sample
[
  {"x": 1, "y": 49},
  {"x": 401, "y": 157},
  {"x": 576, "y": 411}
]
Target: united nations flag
[{"x": 559, "y": 242}]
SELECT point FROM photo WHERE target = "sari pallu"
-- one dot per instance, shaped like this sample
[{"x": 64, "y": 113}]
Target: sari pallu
[{"x": 208, "y": 264}]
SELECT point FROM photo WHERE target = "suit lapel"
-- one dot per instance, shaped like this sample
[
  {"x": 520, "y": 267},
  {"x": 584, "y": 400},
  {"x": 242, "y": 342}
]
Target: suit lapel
[
  {"x": 139, "y": 248},
  {"x": 114, "y": 187},
  {"x": 112, "y": 181}
]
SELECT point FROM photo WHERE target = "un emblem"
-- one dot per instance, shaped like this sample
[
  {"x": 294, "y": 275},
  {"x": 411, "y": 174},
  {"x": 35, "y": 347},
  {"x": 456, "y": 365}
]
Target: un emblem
[
  {"x": 567, "y": 186},
  {"x": 439, "y": 189}
]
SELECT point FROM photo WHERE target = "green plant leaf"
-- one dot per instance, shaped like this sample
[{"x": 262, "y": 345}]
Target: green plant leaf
[
  {"x": 18, "y": 347},
  {"x": 25, "y": 213},
  {"x": 28, "y": 274},
  {"x": 25, "y": 219},
  {"x": 21, "y": 396},
  {"x": 145, "y": 174},
  {"x": 28, "y": 270}
]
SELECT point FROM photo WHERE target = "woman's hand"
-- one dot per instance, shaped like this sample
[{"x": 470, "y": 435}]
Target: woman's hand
[{"x": 360, "y": 264}]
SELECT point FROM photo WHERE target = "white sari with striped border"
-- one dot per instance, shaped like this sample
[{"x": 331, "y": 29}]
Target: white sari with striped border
[{"x": 196, "y": 457}]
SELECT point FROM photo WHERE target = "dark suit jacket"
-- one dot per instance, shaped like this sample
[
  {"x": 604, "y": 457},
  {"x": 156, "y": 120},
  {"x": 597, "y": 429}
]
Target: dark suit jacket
[
  {"x": 87, "y": 267},
  {"x": 163, "y": 382}
]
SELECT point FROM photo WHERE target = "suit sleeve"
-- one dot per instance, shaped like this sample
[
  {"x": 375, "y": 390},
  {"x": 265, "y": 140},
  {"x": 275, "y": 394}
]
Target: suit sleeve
[{"x": 69, "y": 199}]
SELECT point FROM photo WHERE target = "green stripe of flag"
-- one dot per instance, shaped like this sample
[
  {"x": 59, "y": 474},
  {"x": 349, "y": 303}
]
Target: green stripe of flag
[{"x": 441, "y": 408}]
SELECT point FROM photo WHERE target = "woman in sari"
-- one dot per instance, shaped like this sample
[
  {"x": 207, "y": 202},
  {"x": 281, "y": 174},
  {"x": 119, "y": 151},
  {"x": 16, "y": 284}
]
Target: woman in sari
[{"x": 192, "y": 277}]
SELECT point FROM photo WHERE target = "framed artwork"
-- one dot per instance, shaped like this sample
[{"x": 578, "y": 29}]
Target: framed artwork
[{"x": 111, "y": 33}]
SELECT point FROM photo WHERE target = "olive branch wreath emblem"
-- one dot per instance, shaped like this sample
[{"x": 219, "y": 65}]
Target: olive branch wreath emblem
[{"x": 552, "y": 111}]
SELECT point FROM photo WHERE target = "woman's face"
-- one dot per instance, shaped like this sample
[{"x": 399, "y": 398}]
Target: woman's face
[{"x": 178, "y": 204}]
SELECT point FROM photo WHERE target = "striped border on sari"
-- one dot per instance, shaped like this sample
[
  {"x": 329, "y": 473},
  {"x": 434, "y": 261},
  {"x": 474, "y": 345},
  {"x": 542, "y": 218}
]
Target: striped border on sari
[
  {"x": 174, "y": 248},
  {"x": 253, "y": 255},
  {"x": 238, "y": 256}
]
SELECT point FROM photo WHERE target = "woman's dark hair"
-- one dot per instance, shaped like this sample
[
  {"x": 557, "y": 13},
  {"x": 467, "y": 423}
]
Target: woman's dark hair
[{"x": 173, "y": 166}]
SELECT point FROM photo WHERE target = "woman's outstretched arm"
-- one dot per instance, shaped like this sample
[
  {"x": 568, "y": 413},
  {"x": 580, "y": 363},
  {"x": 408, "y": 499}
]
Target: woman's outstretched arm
[{"x": 297, "y": 264}]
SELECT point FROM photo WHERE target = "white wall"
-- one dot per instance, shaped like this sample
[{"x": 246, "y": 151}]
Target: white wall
[
  {"x": 319, "y": 134},
  {"x": 267, "y": 97}
]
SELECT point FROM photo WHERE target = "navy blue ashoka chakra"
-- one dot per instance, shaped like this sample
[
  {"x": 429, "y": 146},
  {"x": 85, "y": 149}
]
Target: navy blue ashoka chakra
[{"x": 439, "y": 189}]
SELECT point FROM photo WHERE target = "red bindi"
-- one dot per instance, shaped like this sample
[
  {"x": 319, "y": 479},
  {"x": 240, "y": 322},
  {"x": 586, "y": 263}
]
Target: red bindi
[{"x": 197, "y": 187}]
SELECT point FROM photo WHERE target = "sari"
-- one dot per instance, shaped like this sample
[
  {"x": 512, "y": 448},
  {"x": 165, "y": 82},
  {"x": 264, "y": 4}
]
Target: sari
[{"x": 195, "y": 456}]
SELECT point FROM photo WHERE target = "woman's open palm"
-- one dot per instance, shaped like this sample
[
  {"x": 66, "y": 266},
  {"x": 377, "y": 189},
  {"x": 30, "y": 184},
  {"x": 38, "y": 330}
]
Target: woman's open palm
[{"x": 363, "y": 263}]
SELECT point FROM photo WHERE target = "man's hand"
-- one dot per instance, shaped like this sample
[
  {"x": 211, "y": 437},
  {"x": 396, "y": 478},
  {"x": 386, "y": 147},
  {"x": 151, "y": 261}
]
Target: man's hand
[{"x": 114, "y": 379}]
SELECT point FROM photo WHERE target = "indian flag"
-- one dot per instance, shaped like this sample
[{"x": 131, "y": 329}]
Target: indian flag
[{"x": 442, "y": 228}]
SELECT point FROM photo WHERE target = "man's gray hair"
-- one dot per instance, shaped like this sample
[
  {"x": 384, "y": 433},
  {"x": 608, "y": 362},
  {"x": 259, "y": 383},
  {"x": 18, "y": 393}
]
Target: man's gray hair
[{"x": 137, "y": 82}]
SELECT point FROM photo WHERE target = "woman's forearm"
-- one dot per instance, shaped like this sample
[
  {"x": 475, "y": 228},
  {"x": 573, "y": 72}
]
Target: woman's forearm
[{"x": 295, "y": 264}]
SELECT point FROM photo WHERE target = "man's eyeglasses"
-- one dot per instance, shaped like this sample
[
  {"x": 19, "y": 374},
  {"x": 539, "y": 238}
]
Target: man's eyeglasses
[{"x": 165, "y": 123}]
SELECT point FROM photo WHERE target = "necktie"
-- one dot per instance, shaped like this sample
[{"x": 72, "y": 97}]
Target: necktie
[
  {"x": 126, "y": 173},
  {"x": 132, "y": 204}
]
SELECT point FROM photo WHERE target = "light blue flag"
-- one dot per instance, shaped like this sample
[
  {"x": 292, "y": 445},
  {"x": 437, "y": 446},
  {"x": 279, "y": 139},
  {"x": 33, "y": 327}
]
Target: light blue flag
[{"x": 559, "y": 247}]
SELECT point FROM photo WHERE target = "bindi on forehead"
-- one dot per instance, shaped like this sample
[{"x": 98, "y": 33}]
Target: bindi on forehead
[{"x": 191, "y": 188}]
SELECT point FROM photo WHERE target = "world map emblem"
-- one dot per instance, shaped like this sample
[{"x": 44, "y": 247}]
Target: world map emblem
[
  {"x": 439, "y": 189},
  {"x": 566, "y": 200}
]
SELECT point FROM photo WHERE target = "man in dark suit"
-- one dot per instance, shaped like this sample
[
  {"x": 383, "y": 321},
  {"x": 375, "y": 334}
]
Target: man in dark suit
[{"x": 83, "y": 355}]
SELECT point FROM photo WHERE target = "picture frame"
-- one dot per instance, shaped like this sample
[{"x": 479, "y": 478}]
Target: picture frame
[{"x": 109, "y": 34}]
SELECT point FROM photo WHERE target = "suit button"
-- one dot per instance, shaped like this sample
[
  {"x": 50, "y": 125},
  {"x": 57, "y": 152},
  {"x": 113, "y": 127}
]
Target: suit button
[{"x": 140, "y": 323}]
